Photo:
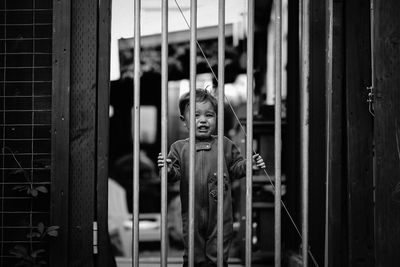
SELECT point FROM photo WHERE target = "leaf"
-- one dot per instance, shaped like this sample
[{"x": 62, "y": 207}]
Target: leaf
[
  {"x": 20, "y": 187},
  {"x": 33, "y": 192},
  {"x": 42, "y": 189},
  {"x": 41, "y": 227},
  {"x": 16, "y": 253},
  {"x": 22, "y": 249},
  {"x": 33, "y": 235},
  {"x": 53, "y": 230},
  {"x": 53, "y": 227},
  {"x": 35, "y": 253},
  {"x": 19, "y": 251},
  {"x": 53, "y": 233},
  {"x": 18, "y": 171}
]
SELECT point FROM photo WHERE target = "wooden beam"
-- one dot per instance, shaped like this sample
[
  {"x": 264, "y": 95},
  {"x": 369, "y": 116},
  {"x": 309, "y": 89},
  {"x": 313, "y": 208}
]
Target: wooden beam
[
  {"x": 336, "y": 235},
  {"x": 359, "y": 135},
  {"x": 83, "y": 113},
  {"x": 60, "y": 132},
  {"x": 317, "y": 165},
  {"x": 292, "y": 156},
  {"x": 387, "y": 132},
  {"x": 105, "y": 257}
]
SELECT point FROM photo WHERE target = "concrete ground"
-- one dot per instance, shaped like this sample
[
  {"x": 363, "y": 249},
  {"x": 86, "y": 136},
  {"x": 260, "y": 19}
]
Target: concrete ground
[
  {"x": 149, "y": 256},
  {"x": 155, "y": 262}
]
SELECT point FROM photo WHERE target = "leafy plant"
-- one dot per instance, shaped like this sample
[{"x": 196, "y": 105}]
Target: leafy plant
[
  {"x": 29, "y": 188},
  {"x": 27, "y": 259},
  {"x": 43, "y": 231},
  {"x": 30, "y": 257},
  {"x": 34, "y": 258}
]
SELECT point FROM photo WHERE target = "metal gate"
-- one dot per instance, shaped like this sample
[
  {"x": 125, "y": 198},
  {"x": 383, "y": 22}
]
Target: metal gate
[{"x": 304, "y": 74}]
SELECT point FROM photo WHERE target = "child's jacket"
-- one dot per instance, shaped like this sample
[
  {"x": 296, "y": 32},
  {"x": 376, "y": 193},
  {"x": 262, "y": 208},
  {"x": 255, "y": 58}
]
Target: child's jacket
[{"x": 206, "y": 196}]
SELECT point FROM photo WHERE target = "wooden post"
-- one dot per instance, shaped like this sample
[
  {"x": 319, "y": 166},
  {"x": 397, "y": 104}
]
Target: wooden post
[
  {"x": 359, "y": 135},
  {"x": 387, "y": 132},
  {"x": 60, "y": 132},
  {"x": 292, "y": 156},
  {"x": 83, "y": 116},
  {"x": 105, "y": 257},
  {"x": 336, "y": 243},
  {"x": 317, "y": 125}
]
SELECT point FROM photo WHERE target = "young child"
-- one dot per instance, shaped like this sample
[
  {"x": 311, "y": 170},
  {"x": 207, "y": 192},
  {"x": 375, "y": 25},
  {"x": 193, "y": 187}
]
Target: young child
[{"x": 205, "y": 224}]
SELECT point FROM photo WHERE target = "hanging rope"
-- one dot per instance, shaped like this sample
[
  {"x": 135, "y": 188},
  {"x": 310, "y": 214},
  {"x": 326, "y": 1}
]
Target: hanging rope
[{"x": 244, "y": 131}]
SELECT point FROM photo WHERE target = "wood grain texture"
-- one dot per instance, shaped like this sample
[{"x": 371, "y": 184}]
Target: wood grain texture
[
  {"x": 387, "y": 132},
  {"x": 359, "y": 135}
]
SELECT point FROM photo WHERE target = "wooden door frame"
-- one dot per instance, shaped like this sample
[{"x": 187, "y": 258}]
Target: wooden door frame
[
  {"x": 80, "y": 100},
  {"x": 59, "y": 203}
]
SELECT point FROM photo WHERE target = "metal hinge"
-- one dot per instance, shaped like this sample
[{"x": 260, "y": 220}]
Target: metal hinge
[
  {"x": 95, "y": 250},
  {"x": 370, "y": 100}
]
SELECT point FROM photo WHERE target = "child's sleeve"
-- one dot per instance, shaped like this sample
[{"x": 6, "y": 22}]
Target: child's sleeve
[
  {"x": 174, "y": 174},
  {"x": 237, "y": 165}
]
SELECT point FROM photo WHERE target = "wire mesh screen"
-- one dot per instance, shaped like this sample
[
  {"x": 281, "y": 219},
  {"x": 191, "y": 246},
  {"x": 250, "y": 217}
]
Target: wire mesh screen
[{"x": 25, "y": 130}]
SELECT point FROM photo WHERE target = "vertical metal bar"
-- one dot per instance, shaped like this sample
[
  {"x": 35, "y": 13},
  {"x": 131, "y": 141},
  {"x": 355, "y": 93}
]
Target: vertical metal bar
[
  {"x": 304, "y": 120},
  {"x": 278, "y": 128},
  {"x": 249, "y": 130},
  {"x": 192, "y": 125},
  {"x": 329, "y": 91},
  {"x": 164, "y": 130},
  {"x": 221, "y": 81},
  {"x": 136, "y": 137}
]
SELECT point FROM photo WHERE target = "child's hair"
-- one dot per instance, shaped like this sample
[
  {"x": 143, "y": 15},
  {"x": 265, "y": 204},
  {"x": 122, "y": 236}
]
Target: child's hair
[{"x": 202, "y": 95}]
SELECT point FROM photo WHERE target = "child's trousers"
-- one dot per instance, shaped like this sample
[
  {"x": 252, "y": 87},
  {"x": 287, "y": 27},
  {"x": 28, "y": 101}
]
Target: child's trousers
[{"x": 205, "y": 237}]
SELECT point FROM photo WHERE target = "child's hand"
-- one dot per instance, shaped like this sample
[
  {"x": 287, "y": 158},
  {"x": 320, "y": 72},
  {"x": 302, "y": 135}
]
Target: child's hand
[
  {"x": 259, "y": 161},
  {"x": 160, "y": 162}
]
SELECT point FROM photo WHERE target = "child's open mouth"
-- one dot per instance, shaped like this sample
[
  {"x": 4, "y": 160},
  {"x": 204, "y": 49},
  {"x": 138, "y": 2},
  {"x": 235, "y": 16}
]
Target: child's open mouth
[{"x": 202, "y": 129}]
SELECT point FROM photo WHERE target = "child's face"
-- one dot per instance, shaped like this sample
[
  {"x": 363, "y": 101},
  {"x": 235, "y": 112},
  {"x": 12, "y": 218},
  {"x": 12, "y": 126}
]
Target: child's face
[{"x": 205, "y": 120}]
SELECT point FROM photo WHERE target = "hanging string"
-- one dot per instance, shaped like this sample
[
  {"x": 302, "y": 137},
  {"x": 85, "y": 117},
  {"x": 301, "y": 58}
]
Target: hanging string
[{"x": 244, "y": 132}]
